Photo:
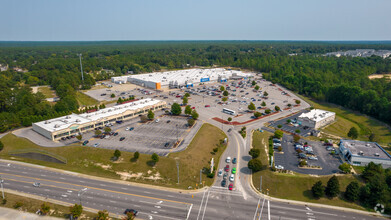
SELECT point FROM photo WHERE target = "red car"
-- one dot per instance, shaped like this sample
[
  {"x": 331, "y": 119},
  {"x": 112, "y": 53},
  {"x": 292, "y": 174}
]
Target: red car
[
  {"x": 206, "y": 106},
  {"x": 231, "y": 186},
  {"x": 192, "y": 107},
  {"x": 226, "y": 168}
]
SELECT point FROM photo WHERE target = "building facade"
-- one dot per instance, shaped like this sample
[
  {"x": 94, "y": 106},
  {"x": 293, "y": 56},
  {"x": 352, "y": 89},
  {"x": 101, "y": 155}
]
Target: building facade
[
  {"x": 360, "y": 153},
  {"x": 316, "y": 118},
  {"x": 75, "y": 124}
]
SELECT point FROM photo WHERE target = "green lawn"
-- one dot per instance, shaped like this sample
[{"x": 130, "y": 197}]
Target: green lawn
[
  {"x": 347, "y": 119},
  {"x": 96, "y": 161},
  {"x": 32, "y": 205},
  {"x": 85, "y": 100},
  {"x": 294, "y": 186},
  {"x": 47, "y": 91}
]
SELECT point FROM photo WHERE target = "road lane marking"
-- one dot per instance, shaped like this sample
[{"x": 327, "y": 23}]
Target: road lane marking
[
  {"x": 256, "y": 210},
  {"x": 33, "y": 182},
  {"x": 199, "y": 210},
  {"x": 107, "y": 190},
  {"x": 206, "y": 205}
]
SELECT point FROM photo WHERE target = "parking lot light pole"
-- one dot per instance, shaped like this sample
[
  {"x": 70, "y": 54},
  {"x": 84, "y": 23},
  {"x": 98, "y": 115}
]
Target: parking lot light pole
[
  {"x": 2, "y": 189},
  {"x": 80, "y": 193}
]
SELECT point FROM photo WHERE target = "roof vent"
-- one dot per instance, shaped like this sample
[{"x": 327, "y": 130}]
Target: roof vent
[
  {"x": 56, "y": 126},
  {"x": 68, "y": 117},
  {"x": 77, "y": 120},
  {"x": 47, "y": 122},
  {"x": 361, "y": 152},
  {"x": 377, "y": 155}
]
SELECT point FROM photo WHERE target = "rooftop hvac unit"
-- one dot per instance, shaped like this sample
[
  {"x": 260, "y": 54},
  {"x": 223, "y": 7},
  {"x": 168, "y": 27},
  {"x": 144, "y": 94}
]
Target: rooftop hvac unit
[
  {"x": 46, "y": 122},
  {"x": 110, "y": 110},
  {"x": 361, "y": 152},
  {"x": 377, "y": 155},
  {"x": 77, "y": 120},
  {"x": 56, "y": 126},
  {"x": 68, "y": 117}
]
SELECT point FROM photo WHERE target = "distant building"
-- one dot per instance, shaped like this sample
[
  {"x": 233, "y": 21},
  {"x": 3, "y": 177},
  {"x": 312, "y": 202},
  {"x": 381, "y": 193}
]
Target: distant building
[
  {"x": 361, "y": 53},
  {"x": 3, "y": 67},
  {"x": 360, "y": 153},
  {"x": 74, "y": 124},
  {"x": 316, "y": 118}
]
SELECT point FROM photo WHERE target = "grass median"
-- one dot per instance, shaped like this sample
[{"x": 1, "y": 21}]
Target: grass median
[
  {"x": 294, "y": 186},
  {"x": 97, "y": 161}
]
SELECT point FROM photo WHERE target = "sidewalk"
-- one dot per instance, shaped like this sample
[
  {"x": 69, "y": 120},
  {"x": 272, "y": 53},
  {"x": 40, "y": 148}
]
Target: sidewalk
[{"x": 7, "y": 213}]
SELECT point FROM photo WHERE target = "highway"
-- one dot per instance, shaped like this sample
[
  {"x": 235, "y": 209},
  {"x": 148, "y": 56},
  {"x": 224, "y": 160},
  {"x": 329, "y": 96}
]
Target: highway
[{"x": 159, "y": 203}]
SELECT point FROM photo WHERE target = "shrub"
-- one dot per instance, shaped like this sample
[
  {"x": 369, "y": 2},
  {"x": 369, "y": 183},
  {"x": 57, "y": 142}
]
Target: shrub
[
  {"x": 297, "y": 131},
  {"x": 254, "y": 153},
  {"x": 279, "y": 126},
  {"x": 4, "y": 201},
  {"x": 112, "y": 95},
  {"x": 257, "y": 114},
  {"x": 297, "y": 102},
  {"x": 107, "y": 129},
  {"x": 18, "y": 205},
  {"x": 79, "y": 137},
  {"x": 76, "y": 210},
  {"x": 215, "y": 149},
  {"x": 150, "y": 115},
  {"x": 136, "y": 155},
  {"x": 332, "y": 188},
  {"x": 345, "y": 167},
  {"x": 45, "y": 208},
  {"x": 268, "y": 111},
  {"x": 229, "y": 119},
  {"x": 278, "y": 134},
  {"x": 302, "y": 163},
  {"x": 317, "y": 190},
  {"x": 190, "y": 122},
  {"x": 255, "y": 165},
  {"x": 117, "y": 153},
  {"x": 98, "y": 132},
  {"x": 103, "y": 215},
  {"x": 188, "y": 110},
  {"x": 194, "y": 115},
  {"x": 251, "y": 106},
  {"x": 155, "y": 157}
]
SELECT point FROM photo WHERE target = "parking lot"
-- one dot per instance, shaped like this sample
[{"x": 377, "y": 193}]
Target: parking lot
[
  {"x": 151, "y": 137},
  {"x": 290, "y": 161},
  {"x": 293, "y": 125}
]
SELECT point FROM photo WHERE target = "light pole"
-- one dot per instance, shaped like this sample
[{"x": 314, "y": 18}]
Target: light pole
[
  {"x": 80, "y": 193},
  {"x": 177, "y": 138},
  {"x": 81, "y": 68},
  {"x": 2, "y": 189}
]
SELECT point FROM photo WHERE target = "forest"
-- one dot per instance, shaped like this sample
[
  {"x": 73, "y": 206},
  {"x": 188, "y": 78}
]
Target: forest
[{"x": 299, "y": 66}]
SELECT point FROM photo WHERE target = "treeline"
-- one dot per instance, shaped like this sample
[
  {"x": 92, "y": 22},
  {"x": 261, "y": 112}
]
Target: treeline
[{"x": 341, "y": 80}]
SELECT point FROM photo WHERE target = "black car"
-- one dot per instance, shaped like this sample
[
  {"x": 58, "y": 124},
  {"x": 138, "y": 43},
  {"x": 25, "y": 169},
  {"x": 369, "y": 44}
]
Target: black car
[
  {"x": 134, "y": 212},
  {"x": 234, "y": 160},
  {"x": 166, "y": 144},
  {"x": 85, "y": 143},
  {"x": 224, "y": 183},
  {"x": 229, "y": 130},
  {"x": 122, "y": 138},
  {"x": 168, "y": 121},
  {"x": 115, "y": 134}
]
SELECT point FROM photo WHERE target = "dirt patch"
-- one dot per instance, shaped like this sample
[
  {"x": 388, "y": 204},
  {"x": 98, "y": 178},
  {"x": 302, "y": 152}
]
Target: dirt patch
[
  {"x": 379, "y": 76},
  {"x": 105, "y": 167},
  {"x": 129, "y": 175},
  {"x": 38, "y": 156}
]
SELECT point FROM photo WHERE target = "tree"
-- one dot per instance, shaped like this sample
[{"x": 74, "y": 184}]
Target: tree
[
  {"x": 279, "y": 126},
  {"x": 120, "y": 101},
  {"x": 288, "y": 121},
  {"x": 194, "y": 115},
  {"x": 187, "y": 95},
  {"x": 225, "y": 93},
  {"x": 98, "y": 132},
  {"x": 371, "y": 171},
  {"x": 112, "y": 95},
  {"x": 278, "y": 134},
  {"x": 136, "y": 155},
  {"x": 277, "y": 108},
  {"x": 79, "y": 137},
  {"x": 76, "y": 210},
  {"x": 185, "y": 101},
  {"x": 263, "y": 104},
  {"x": 255, "y": 165},
  {"x": 222, "y": 88},
  {"x": 176, "y": 109},
  {"x": 372, "y": 137},
  {"x": 45, "y": 208},
  {"x": 155, "y": 157},
  {"x": 150, "y": 115},
  {"x": 353, "y": 133},
  {"x": 1, "y": 146},
  {"x": 254, "y": 152},
  {"x": 253, "y": 83},
  {"x": 190, "y": 122},
  {"x": 229, "y": 119},
  {"x": 352, "y": 191},
  {"x": 317, "y": 189},
  {"x": 224, "y": 99},
  {"x": 143, "y": 118},
  {"x": 297, "y": 102},
  {"x": 289, "y": 105},
  {"x": 188, "y": 110},
  {"x": 251, "y": 106},
  {"x": 297, "y": 131},
  {"x": 265, "y": 93},
  {"x": 345, "y": 167},
  {"x": 257, "y": 87},
  {"x": 107, "y": 129},
  {"x": 332, "y": 188},
  {"x": 267, "y": 111},
  {"x": 296, "y": 138},
  {"x": 257, "y": 114},
  {"x": 117, "y": 153}
]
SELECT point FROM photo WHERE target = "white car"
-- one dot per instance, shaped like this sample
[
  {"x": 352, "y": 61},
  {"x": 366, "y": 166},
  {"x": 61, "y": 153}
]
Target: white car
[
  {"x": 228, "y": 160},
  {"x": 157, "y": 120},
  {"x": 312, "y": 158},
  {"x": 96, "y": 145},
  {"x": 127, "y": 128},
  {"x": 220, "y": 173},
  {"x": 279, "y": 167},
  {"x": 232, "y": 177},
  {"x": 36, "y": 184}
]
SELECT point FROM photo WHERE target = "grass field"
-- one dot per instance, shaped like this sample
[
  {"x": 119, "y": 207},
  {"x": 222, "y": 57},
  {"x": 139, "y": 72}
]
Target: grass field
[
  {"x": 294, "y": 186},
  {"x": 32, "y": 205},
  {"x": 47, "y": 91},
  {"x": 346, "y": 119},
  {"x": 97, "y": 161},
  {"x": 85, "y": 100}
]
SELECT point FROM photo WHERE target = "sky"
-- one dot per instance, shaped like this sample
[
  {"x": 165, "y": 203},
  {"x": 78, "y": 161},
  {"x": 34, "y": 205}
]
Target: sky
[{"x": 98, "y": 20}]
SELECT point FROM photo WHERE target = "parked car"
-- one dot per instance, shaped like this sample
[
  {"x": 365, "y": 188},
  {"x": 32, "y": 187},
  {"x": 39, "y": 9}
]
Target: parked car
[
  {"x": 330, "y": 148},
  {"x": 134, "y": 212},
  {"x": 228, "y": 160},
  {"x": 168, "y": 121},
  {"x": 234, "y": 170},
  {"x": 207, "y": 106},
  {"x": 220, "y": 173},
  {"x": 85, "y": 143},
  {"x": 122, "y": 138},
  {"x": 234, "y": 160},
  {"x": 231, "y": 186},
  {"x": 312, "y": 158},
  {"x": 131, "y": 129},
  {"x": 36, "y": 184},
  {"x": 157, "y": 120},
  {"x": 224, "y": 183},
  {"x": 229, "y": 130},
  {"x": 232, "y": 177},
  {"x": 127, "y": 128},
  {"x": 226, "y": 169},
  {"x": 115, "y": 134},
  {"x": 166, "y": 144},
  {"x": 279, "y": 167},
  {"x": 302, "y": 156},
  {"x": 96, "y": 145},
  {"x": 225, "y": 176}
]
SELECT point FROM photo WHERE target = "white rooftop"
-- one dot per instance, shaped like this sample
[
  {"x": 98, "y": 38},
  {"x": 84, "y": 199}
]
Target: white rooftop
[
  {"x": 190, "y": 75},
  {"x": 64, "y": 122},
  {"x": 317, "y": 115}
]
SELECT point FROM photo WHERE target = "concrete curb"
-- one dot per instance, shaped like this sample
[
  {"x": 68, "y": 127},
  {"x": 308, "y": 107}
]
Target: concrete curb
[
  {"x": 310, "y": 204},
  {"x": 104, "y": 179},
  {"x": 54, "y": 201}
]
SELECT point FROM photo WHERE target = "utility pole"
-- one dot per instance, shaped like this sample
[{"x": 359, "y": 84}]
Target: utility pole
[
  {"x": 2, "y": 189},
  {"x": 80, "y": 193},
  {"x": 177, "y": 166},
  {"x": 81, "y": 68}
]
